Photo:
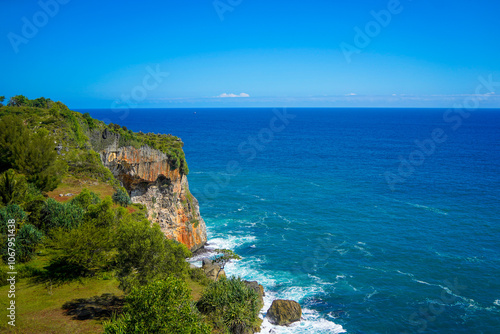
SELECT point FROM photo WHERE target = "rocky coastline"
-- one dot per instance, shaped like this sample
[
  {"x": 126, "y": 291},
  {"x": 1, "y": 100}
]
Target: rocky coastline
[{"x": 147, "y": 175}]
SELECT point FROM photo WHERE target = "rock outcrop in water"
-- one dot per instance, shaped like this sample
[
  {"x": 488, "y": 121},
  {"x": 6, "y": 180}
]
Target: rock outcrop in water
[
  {"x": 284, "y": 312},
  {"x": 147, "y": 175}
]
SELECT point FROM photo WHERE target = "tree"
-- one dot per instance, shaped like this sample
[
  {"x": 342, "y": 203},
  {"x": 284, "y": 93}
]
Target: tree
[
  {"x": 35, "y": 156},
  {"x": 87, "y": 247},
  {"x": 13, "y": 187},
  {"x": 27, "y": 236},
  {"x": 224, "y": 256},
  {"x": 145, "y": 255},
  {"x": 230, "y": 306},
  {"x": 2, "y": 98},
  {"x": 12, "y": 132},
  {"x": 60, "y": 215},
  {"x": 159, "y": 307},
  {"x": 18, "y": 101},
  {"x": 85, "y": 199},
  {"x": 32, "y": 154},
  {"x": 42, "y": 102},
  {"x": 27, "y": 239}
]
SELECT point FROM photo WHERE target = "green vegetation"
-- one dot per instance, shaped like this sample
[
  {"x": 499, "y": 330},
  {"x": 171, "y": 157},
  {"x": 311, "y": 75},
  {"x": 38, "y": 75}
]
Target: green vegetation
[
  {"x": 230, "y": 306},
  {"x": 121, "y": 197},
  {"x": 77, "y": 234},
  {"x": 223, "y": 257},
  {"x": 160, "y": 307},
  {"x": 145, "y": 255}
]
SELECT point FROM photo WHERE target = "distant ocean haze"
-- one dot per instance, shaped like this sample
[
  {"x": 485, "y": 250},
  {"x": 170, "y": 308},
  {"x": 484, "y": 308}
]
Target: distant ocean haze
[{"x": 315, "y": 219}]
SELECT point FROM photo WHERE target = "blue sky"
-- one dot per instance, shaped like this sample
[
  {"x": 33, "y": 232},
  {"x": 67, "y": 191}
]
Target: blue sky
[{"x": 250, "y": 53}]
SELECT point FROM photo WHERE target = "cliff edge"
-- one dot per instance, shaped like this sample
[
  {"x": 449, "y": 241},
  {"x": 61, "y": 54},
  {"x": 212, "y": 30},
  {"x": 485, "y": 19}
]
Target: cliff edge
[{"x": 150, "y": 179}]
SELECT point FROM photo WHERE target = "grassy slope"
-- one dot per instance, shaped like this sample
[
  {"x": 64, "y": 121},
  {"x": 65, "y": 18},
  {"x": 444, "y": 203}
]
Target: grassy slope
[{"x": 40, "y": 312}]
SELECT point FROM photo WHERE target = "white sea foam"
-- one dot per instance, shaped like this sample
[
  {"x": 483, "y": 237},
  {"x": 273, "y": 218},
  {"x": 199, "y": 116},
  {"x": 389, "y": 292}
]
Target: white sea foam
[
  {"x": 497, "y": 302},
  {"x": 311, "y": 321}
]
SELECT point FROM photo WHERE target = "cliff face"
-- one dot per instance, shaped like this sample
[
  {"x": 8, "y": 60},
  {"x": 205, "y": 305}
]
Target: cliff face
[{"x": 148, "y": 177}]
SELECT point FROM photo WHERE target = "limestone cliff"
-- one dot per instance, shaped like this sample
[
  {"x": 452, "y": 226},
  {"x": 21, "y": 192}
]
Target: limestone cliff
[{"x": 147, "y": 175}]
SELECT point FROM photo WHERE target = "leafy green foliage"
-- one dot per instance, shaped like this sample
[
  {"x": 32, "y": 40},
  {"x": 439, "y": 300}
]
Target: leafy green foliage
[
  {"x": 100, "y": 214},
  {"x": 85, "y": 163},
  {"x": 145, "y": 255},
  {"x": 18, "y": 101},
  {"x": 63, "y": 215},
  {"x": 121, "y": 197},
  {"x": 12, "y": 211},
  {"x": 27, "y": 239},
  {"x": 41, "y": 102},
  {"x": 229, "y": 305},
  {"x": 159, "y": 307},
  {"x": 27, "y": 236},
  {"x": 2, "y": 98},
  {"x": 32, "y": 154},
  {"x": 87, "y": 247},
  {"x": 13, "y": 188},
  {"x": 91, "y": 123},
  {"x": 85, "y": 199}
]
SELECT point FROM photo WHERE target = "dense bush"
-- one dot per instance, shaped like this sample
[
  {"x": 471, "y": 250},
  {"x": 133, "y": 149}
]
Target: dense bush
[
  {"x": 30, "y": 153},
  {"x": 86, "y": 198},
  {"x": 64, "y": 215},
  {"x": 13, "y": 188},
  {"x": 86, "y": 247},
  {"x": 159, "y": 307},
  {"x": 27, "y": 236},
  {"x": 100, "y": 214},
  {"x": 230, "y": 305},
  {"x": 27, "y": 239},
  {"x": 145, "y": 255},
  {"x": 12, "y": 211},
  {"x": 121, "y": 197},
  {"x": 86, "y": 163}
]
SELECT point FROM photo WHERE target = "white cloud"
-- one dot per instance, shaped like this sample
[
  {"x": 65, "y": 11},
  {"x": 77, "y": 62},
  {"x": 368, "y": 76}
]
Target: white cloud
[{"x": 234, "y": 95}]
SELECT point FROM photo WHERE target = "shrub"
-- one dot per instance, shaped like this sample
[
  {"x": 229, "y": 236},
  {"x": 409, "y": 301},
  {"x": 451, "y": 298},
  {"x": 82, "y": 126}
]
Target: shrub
[
  {"x": 27, "y": 236},
  {"x": 13, "y": 188},
  {"x": 86, "y": 198},
  {"x": 12, "y": 211},
  {"x": 63, "y": 215},
  {"x": 145, "y": 255},
  {"x": 230, "y": 305},
  {"x": 121, "y": 197},
  {"x": 160, "y": 307},
  {"x": 27, "y": 239},
  {"x": 87, "y": 247},
  {"x": 100, "y": 214}
]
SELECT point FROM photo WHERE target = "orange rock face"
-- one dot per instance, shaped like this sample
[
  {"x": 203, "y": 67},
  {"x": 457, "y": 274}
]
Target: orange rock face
[{"x": 147, "y": 175}]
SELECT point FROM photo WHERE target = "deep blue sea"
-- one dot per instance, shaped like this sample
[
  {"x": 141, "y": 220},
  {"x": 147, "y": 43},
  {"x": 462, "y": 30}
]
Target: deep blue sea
[{"x": 375, "y": 220}]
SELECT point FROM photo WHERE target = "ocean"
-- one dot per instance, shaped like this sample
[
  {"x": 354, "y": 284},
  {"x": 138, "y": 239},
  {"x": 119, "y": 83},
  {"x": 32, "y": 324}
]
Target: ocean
[{"x": 374, "y": 220}]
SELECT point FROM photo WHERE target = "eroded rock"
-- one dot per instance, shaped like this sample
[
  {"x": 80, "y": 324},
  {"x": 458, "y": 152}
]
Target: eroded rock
[{"x": 284, "y": 312}]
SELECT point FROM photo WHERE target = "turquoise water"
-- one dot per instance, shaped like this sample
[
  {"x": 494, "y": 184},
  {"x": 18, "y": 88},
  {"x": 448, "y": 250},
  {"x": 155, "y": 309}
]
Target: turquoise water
[{"x": 308, "y": 206}]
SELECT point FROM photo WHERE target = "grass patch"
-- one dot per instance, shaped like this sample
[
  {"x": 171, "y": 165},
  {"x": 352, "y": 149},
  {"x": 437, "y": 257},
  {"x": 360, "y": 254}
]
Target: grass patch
[
  {"x": 38, "y": 311},
  {"x": 72, "y": 185}
]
